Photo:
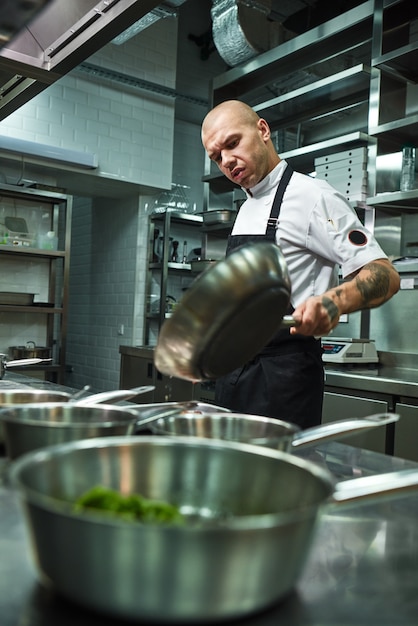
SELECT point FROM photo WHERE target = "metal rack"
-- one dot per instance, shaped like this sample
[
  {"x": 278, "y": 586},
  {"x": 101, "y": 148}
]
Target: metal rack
[{"x": 51, "y": 315}]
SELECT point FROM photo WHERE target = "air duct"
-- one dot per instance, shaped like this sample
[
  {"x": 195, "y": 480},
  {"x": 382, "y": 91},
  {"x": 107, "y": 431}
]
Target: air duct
[{"x": 241, "y": 29}]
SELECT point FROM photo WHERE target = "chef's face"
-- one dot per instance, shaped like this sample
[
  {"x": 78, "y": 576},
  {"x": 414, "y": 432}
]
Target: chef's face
[{"x": 238, "y": 146}]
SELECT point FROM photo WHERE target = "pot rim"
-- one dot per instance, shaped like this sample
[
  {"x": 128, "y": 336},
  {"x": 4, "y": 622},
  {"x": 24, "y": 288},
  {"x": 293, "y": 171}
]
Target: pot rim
[
  {"x": 257, "y": 522},
  {"x": 127, "y": 415}
]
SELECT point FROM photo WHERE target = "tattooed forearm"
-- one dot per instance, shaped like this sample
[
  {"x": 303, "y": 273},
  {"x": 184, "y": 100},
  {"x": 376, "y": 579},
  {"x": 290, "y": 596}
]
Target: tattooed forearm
[
  {"x": 376, "y": 285},
  {"x": 331, "y": 308}
]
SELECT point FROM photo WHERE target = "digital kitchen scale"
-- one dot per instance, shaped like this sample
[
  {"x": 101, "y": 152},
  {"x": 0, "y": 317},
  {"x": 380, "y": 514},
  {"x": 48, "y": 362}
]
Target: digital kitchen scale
[{"x": 348, "y": 350}]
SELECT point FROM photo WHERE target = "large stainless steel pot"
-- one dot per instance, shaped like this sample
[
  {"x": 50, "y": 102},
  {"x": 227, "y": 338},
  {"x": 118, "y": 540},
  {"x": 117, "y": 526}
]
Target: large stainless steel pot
[
  {"x": 264, "y": 431},
  {"x": 227, "y": 315},
  {"x": 28, "y": 427},
  {"x": 251, "y": 510}
]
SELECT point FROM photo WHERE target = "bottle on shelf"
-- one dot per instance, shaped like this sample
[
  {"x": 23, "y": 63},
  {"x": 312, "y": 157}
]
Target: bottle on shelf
[
  {"x": 175, "y": 252},
  {"x": 408, "y": 168},
  {"x": 185, "y": 252}
]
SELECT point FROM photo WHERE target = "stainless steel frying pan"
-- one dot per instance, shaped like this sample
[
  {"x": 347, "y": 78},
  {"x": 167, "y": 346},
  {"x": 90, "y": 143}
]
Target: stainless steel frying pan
[{"x": 229, "y": 313}]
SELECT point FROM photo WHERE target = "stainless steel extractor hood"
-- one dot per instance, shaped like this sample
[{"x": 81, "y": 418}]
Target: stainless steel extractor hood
[{"x": 62, "y": 35}]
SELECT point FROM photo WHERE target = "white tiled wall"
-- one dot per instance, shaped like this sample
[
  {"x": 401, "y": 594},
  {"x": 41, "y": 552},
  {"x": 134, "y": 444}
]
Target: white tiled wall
[
  {"x": 137, "y": 139},
  {"x": 105, "y": 263},
  {"x": 130, "y": 131}
]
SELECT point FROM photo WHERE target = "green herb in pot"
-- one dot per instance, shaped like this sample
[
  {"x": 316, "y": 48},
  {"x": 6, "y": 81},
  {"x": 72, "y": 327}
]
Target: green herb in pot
[{"x": 132, "y": 507}]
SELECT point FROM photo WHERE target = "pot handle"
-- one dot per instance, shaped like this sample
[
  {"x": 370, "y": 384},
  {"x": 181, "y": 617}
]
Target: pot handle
[
  {"x": 342, "y": 428},
  {"x": 151, "y": 412},
  {"x": 378, "y": 487},
  {"x": 108, "y": 396}
]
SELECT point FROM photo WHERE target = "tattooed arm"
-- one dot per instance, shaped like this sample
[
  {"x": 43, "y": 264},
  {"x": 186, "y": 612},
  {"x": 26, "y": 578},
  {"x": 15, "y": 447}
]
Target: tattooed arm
[{"x": 371, "y": 286}]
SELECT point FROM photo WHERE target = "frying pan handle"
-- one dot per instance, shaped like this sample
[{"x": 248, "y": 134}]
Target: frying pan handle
[{"x": 289, "y": 321}]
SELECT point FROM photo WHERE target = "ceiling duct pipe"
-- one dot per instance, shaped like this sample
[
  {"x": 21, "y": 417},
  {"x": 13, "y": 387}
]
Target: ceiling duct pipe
[{"x": 241, "y": 29}]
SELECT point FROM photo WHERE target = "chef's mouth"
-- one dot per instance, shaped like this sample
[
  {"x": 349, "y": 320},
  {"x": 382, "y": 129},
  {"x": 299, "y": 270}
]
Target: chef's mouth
[{"x": 237, "y": 173}]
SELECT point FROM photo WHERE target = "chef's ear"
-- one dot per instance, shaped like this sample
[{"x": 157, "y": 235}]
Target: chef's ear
[{"x": 264, "y": 129}]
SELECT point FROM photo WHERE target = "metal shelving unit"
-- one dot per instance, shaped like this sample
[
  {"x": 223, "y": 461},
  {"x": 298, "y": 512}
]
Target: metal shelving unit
[
  {"x": 164, "y": 274},
  {"x": 393, "y": 118},
  {"x": 326, "y": 113},
  {"x": 51, "y": 315}
]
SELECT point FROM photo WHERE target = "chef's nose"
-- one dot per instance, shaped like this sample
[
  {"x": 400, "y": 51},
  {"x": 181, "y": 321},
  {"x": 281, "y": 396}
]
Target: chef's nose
[{"x": 227, "y": 159}]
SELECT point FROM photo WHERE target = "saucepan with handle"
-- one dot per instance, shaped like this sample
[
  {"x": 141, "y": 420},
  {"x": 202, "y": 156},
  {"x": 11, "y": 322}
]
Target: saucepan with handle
[
  {"x": 31, "y": 426},
  {"x": 227, "y": 315},
  {"x": 263, "y": 431},
  {"x": 249, "y": 524}
]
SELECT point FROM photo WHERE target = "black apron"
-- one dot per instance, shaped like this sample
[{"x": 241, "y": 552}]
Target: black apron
[{"x": 285, "y": 379}]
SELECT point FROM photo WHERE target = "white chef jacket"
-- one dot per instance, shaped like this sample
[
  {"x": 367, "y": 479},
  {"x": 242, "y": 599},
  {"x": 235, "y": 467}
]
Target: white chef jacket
[{"x": 317, "y": 231}]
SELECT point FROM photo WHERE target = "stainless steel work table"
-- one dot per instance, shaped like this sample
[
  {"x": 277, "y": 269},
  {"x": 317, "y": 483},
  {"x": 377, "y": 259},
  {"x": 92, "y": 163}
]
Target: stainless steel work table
[
  {"x": 362, "y": 570},
  {"x": 397, "y": 381}
]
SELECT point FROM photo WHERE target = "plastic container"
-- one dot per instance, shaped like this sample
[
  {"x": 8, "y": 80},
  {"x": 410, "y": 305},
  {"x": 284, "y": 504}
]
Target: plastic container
[
  {"x": 408, "y": 168},
  {"x": 48, "y": 241}
]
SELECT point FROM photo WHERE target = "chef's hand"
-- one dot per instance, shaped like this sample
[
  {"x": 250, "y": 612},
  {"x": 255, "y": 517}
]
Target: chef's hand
[
  {"x": 316, "y": 316},
  {"x": 368, "y": 288}
]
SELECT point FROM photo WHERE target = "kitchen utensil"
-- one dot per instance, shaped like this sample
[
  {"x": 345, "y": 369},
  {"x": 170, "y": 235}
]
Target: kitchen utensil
[
  {"x": 16, "y": 224},
  {"x": 250, "y": 521},
  {"x": 227, "y": 315},
  {"x": 264, "y": 431},
  {"x": 221, "y": 216},
  {"x": 11, "y": 397},
  {"x": 4, "y": 364},
  {"x": 194, "y": 255},
  {"x": 30, "y": 426},
  {"x": 115, "y": 395},
  {"x": 201, "y": 265},
  {"x": 30, "y": 351},
  {"x": 18, "y": 299}
]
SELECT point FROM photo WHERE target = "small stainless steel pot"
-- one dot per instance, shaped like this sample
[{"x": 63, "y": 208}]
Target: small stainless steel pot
[
  {"x": 263, "y": 431},
  {"x": 31, "y": 426}
]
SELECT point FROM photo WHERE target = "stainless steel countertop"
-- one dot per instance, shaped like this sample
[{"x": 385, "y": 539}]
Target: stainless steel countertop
[
  {"x": 379, "y": 378},
  {"x": 362, "y": 569},
  {"x": 400, "y": 381}
]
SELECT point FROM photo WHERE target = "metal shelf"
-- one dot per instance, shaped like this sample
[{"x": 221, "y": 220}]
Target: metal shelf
[
  {"x": 34, "y": 252},
  {"x": 393, "y": 135},
  {"x": 303, "y": 158},
  {"x": 53, "y": 309},
  {"x": 320, "y": 97},
  {"x": 12, "y": 308},
  {"x": 343, "y": 33},
  {"x": 403, "y": 62},
  {"x": 176, "y": 216},
  {"x": 179, "y": 267},
  {"x": 401, "y": 200}
]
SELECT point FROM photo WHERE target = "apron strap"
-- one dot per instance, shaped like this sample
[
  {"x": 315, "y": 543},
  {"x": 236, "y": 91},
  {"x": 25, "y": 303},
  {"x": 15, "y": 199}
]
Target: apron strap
[{"x": 277, "y": 203}]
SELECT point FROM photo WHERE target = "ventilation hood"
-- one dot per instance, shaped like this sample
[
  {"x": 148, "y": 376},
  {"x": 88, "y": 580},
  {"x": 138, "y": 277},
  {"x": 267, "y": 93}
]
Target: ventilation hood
[{"x": 62, "y": 34}]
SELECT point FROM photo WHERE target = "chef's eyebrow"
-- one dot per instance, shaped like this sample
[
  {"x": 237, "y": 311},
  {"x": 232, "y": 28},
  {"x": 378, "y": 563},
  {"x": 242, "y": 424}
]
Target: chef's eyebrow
[{"x": 226, "y": 142}]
